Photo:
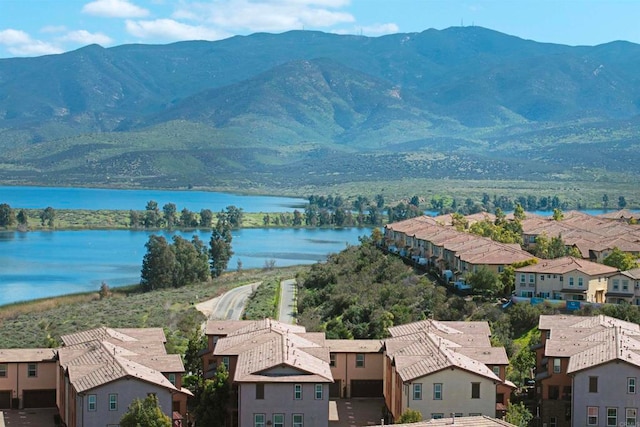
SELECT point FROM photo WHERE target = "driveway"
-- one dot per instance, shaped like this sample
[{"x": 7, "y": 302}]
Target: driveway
[
  {"x": 287, "y": 301},
  {"x": 228, "y": 306},
  {"x": 359, "y": 412},
  {"x": 28, "y": 417}
]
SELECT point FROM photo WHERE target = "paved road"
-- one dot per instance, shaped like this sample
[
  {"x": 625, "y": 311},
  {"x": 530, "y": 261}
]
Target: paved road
[
  {"x": 229, "y": 305},
  {"x": 287, "y": 301}
]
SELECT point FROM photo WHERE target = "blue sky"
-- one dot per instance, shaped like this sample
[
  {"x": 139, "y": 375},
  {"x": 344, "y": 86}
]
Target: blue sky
[{"x": 40, "y": 27}]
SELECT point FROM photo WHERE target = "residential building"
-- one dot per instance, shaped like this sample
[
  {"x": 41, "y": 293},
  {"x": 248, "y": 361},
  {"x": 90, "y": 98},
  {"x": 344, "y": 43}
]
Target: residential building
[
  {"x": 356, "y": 367},
  {"x": 101, "y": 372},
  {"x": 27, "y": 378},
  {"x": 587, "y": 370},
  {"x": 279, "y": 372},
  {"x": 442, "y": 368},
  {"x": 565, "y": 278},
  {"x": 452, "y": 420},
  {"x": 624, "y": 287}
]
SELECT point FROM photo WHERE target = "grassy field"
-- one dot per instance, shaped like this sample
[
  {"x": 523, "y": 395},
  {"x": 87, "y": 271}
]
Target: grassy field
[{"x": 41, "y": 323}]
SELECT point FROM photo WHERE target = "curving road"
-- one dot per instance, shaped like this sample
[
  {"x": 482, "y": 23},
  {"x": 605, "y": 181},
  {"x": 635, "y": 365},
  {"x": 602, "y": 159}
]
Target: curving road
[
  {"x": 229, "y": 305},
  {"x": 287, "y": 309}
]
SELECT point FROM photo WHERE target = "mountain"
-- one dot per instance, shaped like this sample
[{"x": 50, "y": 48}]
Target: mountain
[{"x": 465, "y": 102}]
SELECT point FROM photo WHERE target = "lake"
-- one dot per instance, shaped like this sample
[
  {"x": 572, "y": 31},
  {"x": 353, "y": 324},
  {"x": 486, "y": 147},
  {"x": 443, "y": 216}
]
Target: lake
[{"x": 41, "y": 264}]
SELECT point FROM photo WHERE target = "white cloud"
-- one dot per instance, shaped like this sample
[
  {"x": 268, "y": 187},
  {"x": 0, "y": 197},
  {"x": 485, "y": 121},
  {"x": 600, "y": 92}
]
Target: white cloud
[
  {"x": 20, "y": 43},
  {"x": 266, "y": 15},
  {"x": 114, "y": 9},
  {"x": 168, "y": 29},
  {"x": 53, "y": 29},
  {"x": 84, "y": 37}
]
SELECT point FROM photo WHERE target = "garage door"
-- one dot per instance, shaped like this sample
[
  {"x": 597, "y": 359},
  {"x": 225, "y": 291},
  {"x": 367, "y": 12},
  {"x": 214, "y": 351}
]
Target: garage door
[
  {"x": 39, "y": 398},
  {"x": 366, "y": 388},
  {"x": 5, "y": 399}
]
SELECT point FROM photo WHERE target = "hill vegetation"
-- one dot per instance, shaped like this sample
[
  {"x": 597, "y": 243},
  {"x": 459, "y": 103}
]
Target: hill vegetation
[{"x": 285, "y": 112}]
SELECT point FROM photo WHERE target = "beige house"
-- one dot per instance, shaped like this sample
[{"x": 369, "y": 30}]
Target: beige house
[
  {"x": 101, "y": 371},
  {"x": 565, "y": 278},
  {"x": 624, "y": 287},
  {"x": 27, "y": 378},
  {"x": 279, "y": 372},
  {"x": 356, "y": 367},
  {"x": 443, "y": 368}
]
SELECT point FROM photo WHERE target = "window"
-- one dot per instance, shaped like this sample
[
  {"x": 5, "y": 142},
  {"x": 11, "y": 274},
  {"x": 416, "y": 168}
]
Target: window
[
  {"x": 32, "y": 370},
  {"x": 318, "y": 391},
  {"x": 496, "y": 370},
  {"x": 332, "y": 360},
  {"x": 554, "y": 392},
  {"x": 260, "y": 391},
  {"x": 258, "y": 420},
  {"x": 417, "y": 391},
  {"x": 625, "y": 285},
  {"x": 553, "y": 422},
  {"x": 437, "y": 391},
  {"x": 298, "y": 420},
  {"x": 592, "y": 415},
  {"x": 437, "y": 416},
  {"x": 92, "y": 403},
  {"x": 278, "y": 420},
  {"x": 532, "y": 278},
  {"x": 570, "y": 281},
  {"x": 556, "y": 366},
  {"x": 612, "y": 417},
  {"x": 522, "y": 278},
  {"x": 359, "y": 360},
  {"x": 475, "y": 390},
  {"x": 579, "y": 281},
  {"x": 215, "y": 340},
  {"x": 593, "y": 384},
  {"x": 225, "y": 362},
  {"x": 297, "y": 392},
  {"x": 630, "y": 416},
  {"x": 542, "y": 277},
  {"x": 561, "y": 278},
  {"x": 113, "y": 402},
  {"x": 631, "y": 385},
  {"x": 172, "y": 378},
  {"x": 458, "y": 415},
  {"x": 3, "y": 370}
]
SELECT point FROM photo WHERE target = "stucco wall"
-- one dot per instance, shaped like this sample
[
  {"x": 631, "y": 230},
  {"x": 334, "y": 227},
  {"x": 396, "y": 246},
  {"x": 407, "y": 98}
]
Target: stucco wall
[
  {"x": 612, "y": 392},
  {"x": 456, "y": 394},
  {"x": 278, "y": 399},
  {"x": 127, "y": 390},
  {"x": 17, "y": 378}
]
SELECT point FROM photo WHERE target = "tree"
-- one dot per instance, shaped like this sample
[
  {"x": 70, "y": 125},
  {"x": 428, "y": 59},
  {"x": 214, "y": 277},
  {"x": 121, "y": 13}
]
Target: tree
[
  {"x": 169, "y": 211},
  {"x": 47, "y": 216},
  {"x": 188, "y": 218},
  {"x": 206, "y": 216},
  {"x": 7, "y": 216},
  {"x": 518, "y": 213},
  {"x": 191, "y": 261},
  {"x": 220, "y": 251},
  {"x": 484, "y": 281},
  {"x": 135, "y": 220},
  {"x": 158, "y": 265},
  {"x": 623, "y": 261},
  {"x": 211, "y": 409},
  {"x": 234, "y": 216},
  {"x": 145, "y": 413},
  {"x": 410, "y": 416},
  {"x": 518, "y": 414},
  {"x": 557, "y": 214},
  {"x": 605, "y": 201},
  {"x": 152, "y": 215},
  {"x": 622, "y": 203},
  {"x": 23, "y": 219}
]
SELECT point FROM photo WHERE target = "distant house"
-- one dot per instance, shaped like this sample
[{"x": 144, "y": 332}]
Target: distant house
[
  {"x": 443, "y": 368},
  {"x": 356, "y": 367},
  {"x": 101, "y": 371},
  {"x": 280, "y": 373},
  {"x": 587, "y": 371},
  {"x": 27, "y": 378},
  {"x": 565, "y": 278}
]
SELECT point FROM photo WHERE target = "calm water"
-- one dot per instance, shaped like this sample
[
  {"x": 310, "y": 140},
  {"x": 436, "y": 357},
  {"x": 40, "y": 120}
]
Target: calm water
[
  {"x": 41, "y": 264},
  {"x": 93, "y": 198}
]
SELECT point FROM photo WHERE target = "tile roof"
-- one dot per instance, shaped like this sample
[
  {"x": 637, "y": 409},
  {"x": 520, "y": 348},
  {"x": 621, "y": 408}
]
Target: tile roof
[
  {"x": 355, "y": 346},
  {"x": 26, "y": 355},
  {"x": 99, "y": 356},
  {"x": 567, "y": 264},
  {"x": 428, "y": 346},
  {"x": 271, "y": 351},
  {"x": 476, "y": 421},
  {"x": 223, "y": 327}
]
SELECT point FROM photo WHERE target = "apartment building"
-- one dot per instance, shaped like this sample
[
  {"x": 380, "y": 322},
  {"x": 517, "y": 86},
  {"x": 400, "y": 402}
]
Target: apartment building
[
  {"x": 587, "y": 371},
  {"x": 441, "y": 368},
  {"x": 624, "y": 287},
  {"x": 101, "y": 371},
  {"x": 27, "y": 378},
  {"x": 566, "y": 278},
  {"x": 356, "y": 367}
]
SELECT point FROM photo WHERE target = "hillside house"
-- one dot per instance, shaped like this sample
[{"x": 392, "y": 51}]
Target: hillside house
[{"x": 27, "y": 378}]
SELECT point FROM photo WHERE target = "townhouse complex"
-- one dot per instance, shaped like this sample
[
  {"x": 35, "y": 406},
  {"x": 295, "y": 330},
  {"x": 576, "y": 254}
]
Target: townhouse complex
[
  {"x": 282, "y": 375},
  {"x": 434, "y": 243},
  {"x": 94, "y": 377},
  {"x": 587, "y": 371}
]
